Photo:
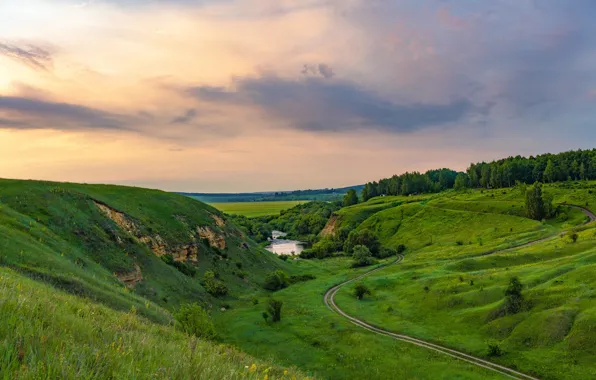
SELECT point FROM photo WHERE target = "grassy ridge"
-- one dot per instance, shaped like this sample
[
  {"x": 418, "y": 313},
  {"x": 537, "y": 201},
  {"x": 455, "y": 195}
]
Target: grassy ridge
[
  {"x": 57, "y": 233},
  {"x": 253, "y": 209}
]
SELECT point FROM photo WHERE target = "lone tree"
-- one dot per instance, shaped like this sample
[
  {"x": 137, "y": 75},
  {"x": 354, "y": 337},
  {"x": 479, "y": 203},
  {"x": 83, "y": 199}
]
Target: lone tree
[
  {"x": 534, "y": 202},
  {"x": 360, "y": 290},
  {"x": 351, "y": 198},
  {"x": 513, "y": 297},
  {"x": 274, "y": 310}
]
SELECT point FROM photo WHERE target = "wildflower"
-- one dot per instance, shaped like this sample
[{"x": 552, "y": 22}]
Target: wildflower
[
  {"x": 285, "y": 372},
  {"x": 252, "y": 368}
]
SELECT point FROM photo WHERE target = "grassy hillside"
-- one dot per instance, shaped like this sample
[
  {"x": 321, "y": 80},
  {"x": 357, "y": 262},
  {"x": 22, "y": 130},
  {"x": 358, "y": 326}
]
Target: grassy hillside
[
  {"x": 46, "y": 333},
  {"x": 447, "y": 290},
  {"x": 92, "y": 239},
  {"x": 85, "y": 291}
]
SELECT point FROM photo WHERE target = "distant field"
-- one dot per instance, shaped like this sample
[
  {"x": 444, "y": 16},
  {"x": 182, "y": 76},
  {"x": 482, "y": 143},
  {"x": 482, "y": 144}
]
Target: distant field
[{"x": 252, "y": 209}]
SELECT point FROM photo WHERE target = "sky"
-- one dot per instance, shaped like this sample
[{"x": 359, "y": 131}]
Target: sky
[{"x": 255, "y": 95}]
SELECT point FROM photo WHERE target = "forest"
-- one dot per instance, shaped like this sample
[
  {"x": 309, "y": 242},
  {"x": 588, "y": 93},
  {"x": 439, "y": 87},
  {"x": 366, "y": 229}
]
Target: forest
[{"x": 547, "y": 168}]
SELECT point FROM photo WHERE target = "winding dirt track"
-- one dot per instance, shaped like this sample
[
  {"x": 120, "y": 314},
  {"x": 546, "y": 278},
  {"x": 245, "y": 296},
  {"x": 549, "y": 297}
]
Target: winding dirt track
[{"x": 330, "y": 302}]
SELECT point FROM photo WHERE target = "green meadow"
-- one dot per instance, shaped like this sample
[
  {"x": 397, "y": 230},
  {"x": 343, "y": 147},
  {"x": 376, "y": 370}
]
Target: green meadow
[{"x": 254, "y": 209}]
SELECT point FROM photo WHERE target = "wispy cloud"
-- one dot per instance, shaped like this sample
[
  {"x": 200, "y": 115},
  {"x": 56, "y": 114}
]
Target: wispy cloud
[
  {"x": 33, "y": 56},
  {"x": 39, "y": 114}
]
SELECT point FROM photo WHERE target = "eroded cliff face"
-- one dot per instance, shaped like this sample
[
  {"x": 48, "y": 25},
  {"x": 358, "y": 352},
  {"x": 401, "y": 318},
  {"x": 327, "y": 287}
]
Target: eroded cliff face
[
  {"x": 215, "y": 239},
  {"x": 330, "y": 227},
  {"x": 155, "y": 242},
  {"x": 132, "y": 278}
]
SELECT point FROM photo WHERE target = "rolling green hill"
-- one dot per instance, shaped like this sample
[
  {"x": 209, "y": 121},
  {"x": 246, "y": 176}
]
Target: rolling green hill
[
  {"x": 462, "y": 250},
  {"x": 114, "y": 249}
]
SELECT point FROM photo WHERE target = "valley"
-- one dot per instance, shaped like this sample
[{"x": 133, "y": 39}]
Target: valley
[{"x": 135, "y": 256}]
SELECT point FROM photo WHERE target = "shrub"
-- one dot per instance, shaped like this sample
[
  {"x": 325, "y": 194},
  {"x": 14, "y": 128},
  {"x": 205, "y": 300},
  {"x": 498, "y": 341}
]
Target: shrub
[
  {"x": 255, "y": 301},
  {"x": 274, "y": 309},
  {"x": 276, "y": 280},
  {"x": 401, "y": 249},
  {"x": 301, "y": 278},
  {"x": 362, "y": 257},
  {"x": 193, "y": 320},
  {"x": 184, "y": 268},
  {"x": 385, "y": 252},
  {"x": 494, "y": 350},
  {"x": 513, "y": 297},
  {"x": 360, "y": 290},
  {"x": 307, "y": 254},
  {"x": 573, "y": 236},
  {"x": 362, "y": 237},
  {"x": 214, "y": 286},
  {"x": 459, "y": 242}
]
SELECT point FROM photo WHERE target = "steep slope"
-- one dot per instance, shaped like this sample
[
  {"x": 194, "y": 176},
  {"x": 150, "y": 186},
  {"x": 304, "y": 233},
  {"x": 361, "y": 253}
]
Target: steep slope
[
  {"x": 47, "y": 334},
  {"x": 115, "y": 243}
]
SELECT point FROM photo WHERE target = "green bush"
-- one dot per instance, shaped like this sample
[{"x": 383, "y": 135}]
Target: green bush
[
  {"x": 360, "y": 290},
  {"x": 301, "y": 278},
  {"x": 214, "y": 286},
  {"x": 494, "y": 350},
  {"x": 276, "y": 280},
  {"x": 385, "y": 252},
  {"x": 187, "y": 269},
  {"x": 274, "y": 310},
  {"x": 513, "y": 297},
  {"x": 193, "y": 320},
  {"x": 362, "y": 257},
  {"x": 362, "y": 237}
]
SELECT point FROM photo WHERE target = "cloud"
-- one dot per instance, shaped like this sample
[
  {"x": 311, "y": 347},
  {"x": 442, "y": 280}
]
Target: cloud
[
  {"x": 188, "y": 116},
  {"x": 39, "y": 114},
  {"x": 321, "y": 69},
  {"x": 314, "y": 104},
  {"x": 33, "y": 56}
]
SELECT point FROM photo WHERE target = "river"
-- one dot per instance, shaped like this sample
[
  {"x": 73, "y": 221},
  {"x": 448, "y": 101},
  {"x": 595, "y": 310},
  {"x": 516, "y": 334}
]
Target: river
[{"x": 281, "y": 246}]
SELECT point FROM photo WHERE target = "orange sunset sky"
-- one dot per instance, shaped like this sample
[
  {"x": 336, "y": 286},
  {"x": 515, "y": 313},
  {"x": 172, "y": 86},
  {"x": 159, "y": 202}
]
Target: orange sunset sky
[{"x": 250, "y": 95}]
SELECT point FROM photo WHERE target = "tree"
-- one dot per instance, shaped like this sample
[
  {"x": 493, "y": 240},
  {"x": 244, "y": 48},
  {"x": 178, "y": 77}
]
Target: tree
[
  {"x": 462, "y": 181},
  {"x": 534, "y": 202},
  {"x": 276, "y": 280},
  {"x": 550, "y": 173},
  {"x": 583, "y": 174},
  {"x": 362, "y": 257},
  {"x": 214, "y": 286},
  {"x": 360, "y": 290},
  {"x": 513, "y": 297},
  {"x": 274, "y": 310},
  {"x": 193, "y": 320},
  {"x": 351, "y": 198},
  {"x": 362, "y": 237},
  {"x": 549, "y": 208}
]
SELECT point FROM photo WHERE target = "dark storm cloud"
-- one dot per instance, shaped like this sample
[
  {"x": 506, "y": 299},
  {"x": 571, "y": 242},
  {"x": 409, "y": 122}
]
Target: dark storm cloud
[
  {"x": 30, "y": 55},
  {"x": 27, "y": 113},
  {"x": 315, "y": 104}
]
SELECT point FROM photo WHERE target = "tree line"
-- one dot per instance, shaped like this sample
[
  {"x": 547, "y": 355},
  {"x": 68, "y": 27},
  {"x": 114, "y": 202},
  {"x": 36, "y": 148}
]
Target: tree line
[
  {"x": 433, "y": 181},
  {"x": 546, "y": 168}
]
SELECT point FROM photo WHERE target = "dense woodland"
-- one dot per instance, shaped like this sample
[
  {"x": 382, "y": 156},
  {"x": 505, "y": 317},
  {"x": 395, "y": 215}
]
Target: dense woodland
[{"x": 547, "y": 168}]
